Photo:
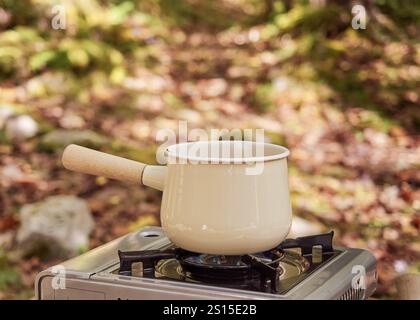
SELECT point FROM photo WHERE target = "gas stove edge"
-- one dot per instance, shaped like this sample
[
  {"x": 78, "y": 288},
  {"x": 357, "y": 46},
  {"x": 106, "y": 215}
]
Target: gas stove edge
[{"x": 78, "y": 268}]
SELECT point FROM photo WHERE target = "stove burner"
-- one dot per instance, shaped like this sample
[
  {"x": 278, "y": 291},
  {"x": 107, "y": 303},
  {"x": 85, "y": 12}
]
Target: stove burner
[
  {"x": 232, "y": 269},
  {"x": 263, "y": 271}
]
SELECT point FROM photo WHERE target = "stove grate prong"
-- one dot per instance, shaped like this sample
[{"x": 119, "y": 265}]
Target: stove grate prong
[
  {"x": 267, "y": 272},
  {"x": 307, "y": 243},
  {"x": 147, "y": 257}
]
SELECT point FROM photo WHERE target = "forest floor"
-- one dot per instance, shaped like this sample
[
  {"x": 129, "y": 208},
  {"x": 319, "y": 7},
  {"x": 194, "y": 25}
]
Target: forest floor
[{"x": 354, "y": 168}]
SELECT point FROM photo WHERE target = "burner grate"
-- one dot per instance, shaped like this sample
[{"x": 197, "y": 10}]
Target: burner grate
[{"x": 238, "y": 271}]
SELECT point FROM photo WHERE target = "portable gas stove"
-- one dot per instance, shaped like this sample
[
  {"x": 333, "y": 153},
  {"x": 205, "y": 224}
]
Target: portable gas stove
[{"x": 146, "y": 265}]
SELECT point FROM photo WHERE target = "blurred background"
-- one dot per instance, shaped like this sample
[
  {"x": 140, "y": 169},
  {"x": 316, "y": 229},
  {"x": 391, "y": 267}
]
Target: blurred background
[{"x": 110, "y": 74}]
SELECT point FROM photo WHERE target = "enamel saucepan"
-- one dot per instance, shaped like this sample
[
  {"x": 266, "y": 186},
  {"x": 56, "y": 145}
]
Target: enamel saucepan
[{"x": 219, "y": 197}]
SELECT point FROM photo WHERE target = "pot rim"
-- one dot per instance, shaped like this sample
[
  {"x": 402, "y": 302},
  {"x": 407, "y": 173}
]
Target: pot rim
[{"x": 271, "y": 152}]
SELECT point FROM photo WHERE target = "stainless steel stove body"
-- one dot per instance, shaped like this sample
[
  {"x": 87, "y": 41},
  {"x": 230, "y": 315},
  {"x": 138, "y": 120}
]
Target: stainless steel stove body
[{"x": 346, "y": 274}]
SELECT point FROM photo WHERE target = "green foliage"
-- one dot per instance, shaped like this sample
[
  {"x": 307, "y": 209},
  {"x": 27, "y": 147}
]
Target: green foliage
[
  {"x": 117, "y": 14},
  {"x": 58, "y": 139},
  {"x": 308, "y": 18},
  {"x": 341, "y": 56},
  {"x": 41, "y": 59},
  {"x": 189, "y": 13},
  {"x": 97, "y": 36},
  {"x": 403, "y": 12},
  {"x": 263, "y": 97},
  {"x": 8, "y": 275}
]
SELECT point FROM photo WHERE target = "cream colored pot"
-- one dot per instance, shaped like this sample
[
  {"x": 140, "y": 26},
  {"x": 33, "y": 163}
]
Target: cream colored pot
[{"x": 219, "y": 197}]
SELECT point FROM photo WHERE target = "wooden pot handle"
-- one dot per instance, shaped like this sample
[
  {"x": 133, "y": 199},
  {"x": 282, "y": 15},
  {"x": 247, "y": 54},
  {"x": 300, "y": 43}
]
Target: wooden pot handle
[
  {"x": 408, "y": 286},
  {"x": 85, "y": 160}
]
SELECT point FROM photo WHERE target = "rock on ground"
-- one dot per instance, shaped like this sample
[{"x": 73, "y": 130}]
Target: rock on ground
[
  {"x": 59, "y": 226},
  {"x": 21, "y": 127}
]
